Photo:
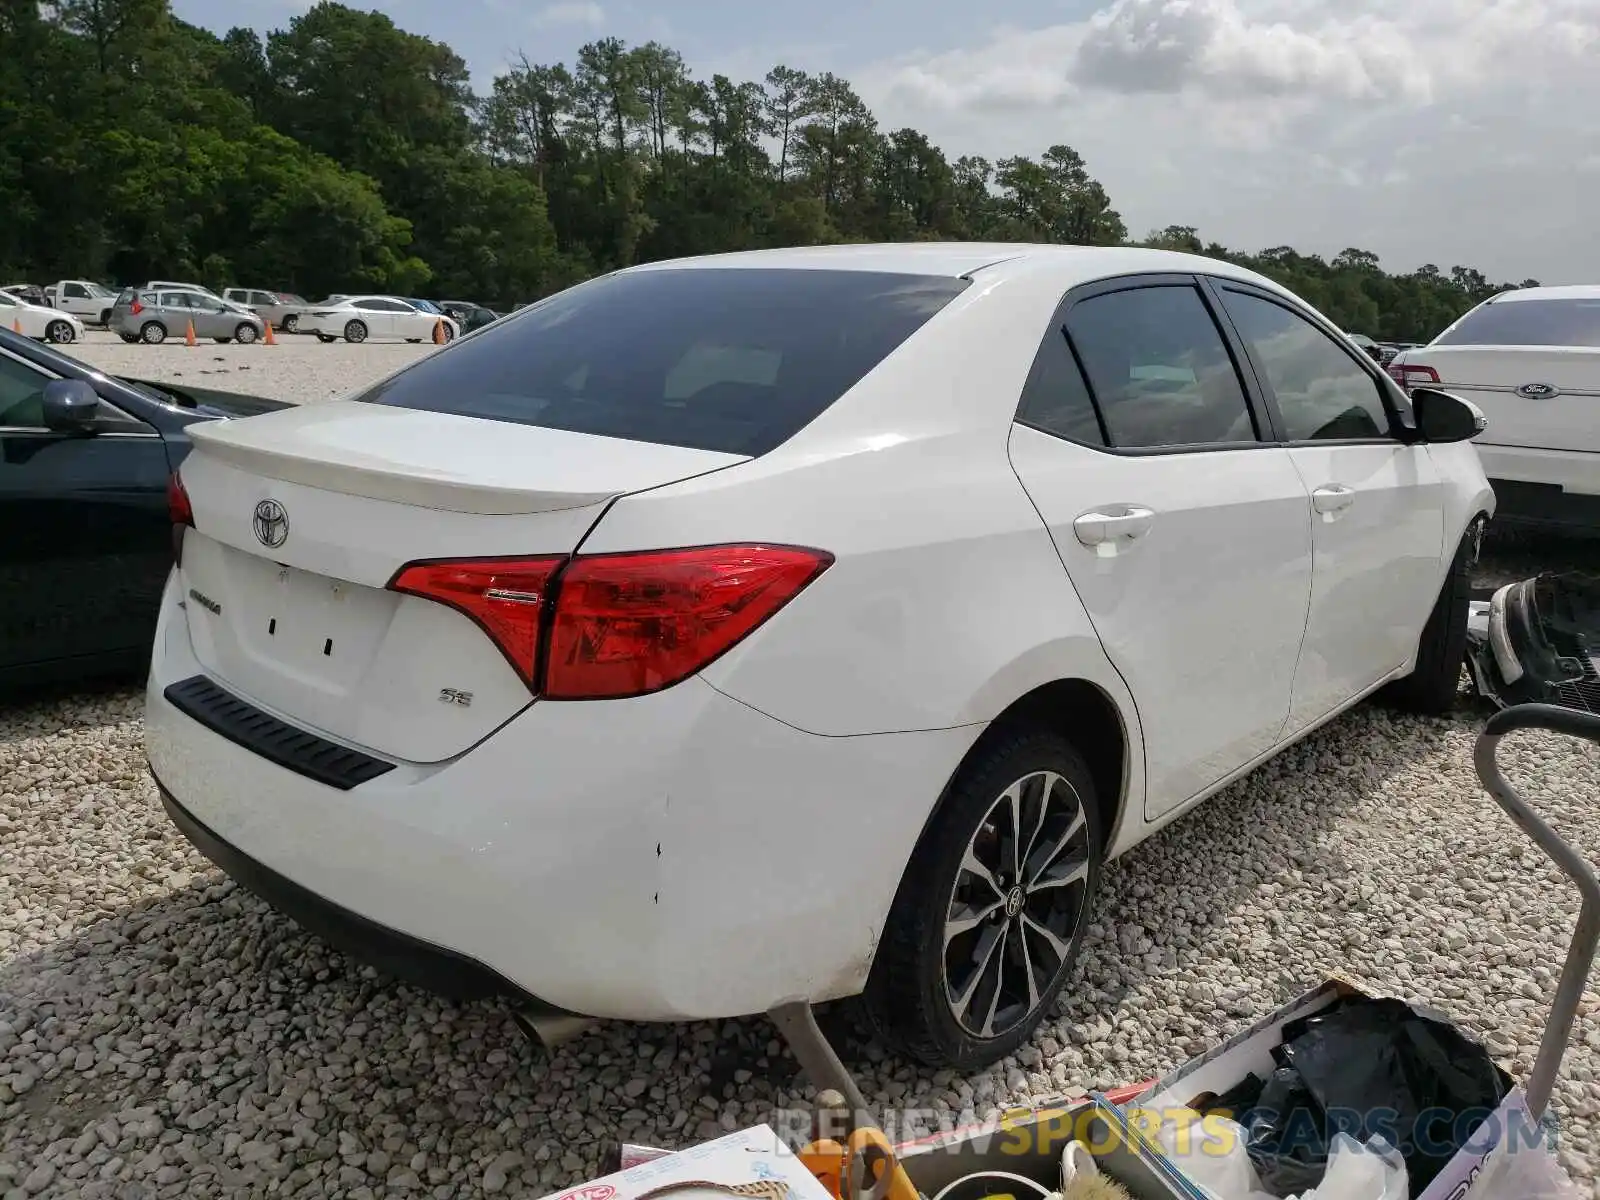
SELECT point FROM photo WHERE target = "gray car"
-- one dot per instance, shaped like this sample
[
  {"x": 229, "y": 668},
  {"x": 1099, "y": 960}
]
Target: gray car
[
  {"x": 282, "y": 309},
  {"x": 142, "y": 315}
]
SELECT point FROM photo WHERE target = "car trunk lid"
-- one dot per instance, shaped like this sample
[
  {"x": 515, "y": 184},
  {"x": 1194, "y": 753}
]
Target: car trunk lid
[
  {"x": 303, "y": 517},
  {"x": 1539, "y": 397}
]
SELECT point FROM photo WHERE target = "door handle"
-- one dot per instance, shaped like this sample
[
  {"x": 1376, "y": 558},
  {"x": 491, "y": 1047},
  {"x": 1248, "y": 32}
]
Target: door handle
[
  {"x": 1332, "y": 498},
  {"x": 1106, "y": 530}
]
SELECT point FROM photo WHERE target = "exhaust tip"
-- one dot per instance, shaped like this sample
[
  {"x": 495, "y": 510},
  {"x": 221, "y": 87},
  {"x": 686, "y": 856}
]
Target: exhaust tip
[{"x": 548, "y": 1028}]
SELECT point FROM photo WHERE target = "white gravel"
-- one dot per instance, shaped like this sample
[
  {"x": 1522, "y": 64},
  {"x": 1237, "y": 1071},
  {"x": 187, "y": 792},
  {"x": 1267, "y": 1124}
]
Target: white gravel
[
  {"x": 163, "y": 1033},
  {"x": 299, "y": 368}
]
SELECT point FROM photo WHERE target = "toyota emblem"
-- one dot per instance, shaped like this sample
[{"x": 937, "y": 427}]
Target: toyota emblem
[{"x": 271, "y": 524}]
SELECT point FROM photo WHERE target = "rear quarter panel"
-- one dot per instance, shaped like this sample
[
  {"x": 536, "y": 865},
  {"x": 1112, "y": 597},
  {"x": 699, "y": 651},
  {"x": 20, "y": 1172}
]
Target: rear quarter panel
[{"x": 946, "y": 601}]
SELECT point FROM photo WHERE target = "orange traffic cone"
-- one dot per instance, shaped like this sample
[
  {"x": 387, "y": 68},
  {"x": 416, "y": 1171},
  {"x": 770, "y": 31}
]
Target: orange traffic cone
[
  {"x": 269, "y": 339},
  {"x": 438, "y": 331},
  {"x": 188, "y": 335},
  {"x": 16, "y": 324}
]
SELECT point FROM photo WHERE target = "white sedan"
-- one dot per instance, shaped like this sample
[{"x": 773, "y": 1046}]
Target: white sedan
[
  {"x": 1530, "y": 358},
  {"x": 803, "y": 623},
  {"x": 37, "y": 321},
  {"x": 362, "y": 318}
]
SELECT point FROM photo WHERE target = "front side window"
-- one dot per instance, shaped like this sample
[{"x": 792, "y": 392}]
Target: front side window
[
  {"x": 21, "y": 395},
  {"x": 1322, "y": 392},
  {"x": 1159, "y": 370},
  {"x": 77, "y": 291},
  {"x": 736, "y": 360}
]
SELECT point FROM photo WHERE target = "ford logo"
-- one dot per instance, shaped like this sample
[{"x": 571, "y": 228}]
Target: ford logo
[{"x": 1538, "y": 391}]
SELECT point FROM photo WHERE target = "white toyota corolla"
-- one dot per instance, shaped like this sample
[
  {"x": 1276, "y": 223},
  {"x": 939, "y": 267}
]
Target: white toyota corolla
[{"x": 798, "y": 623}]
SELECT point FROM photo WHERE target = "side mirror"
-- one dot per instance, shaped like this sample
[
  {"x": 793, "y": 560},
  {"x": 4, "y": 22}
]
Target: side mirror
[
  {"x": 1446, "y": 417},
  {"x": 70, "y": 406}
]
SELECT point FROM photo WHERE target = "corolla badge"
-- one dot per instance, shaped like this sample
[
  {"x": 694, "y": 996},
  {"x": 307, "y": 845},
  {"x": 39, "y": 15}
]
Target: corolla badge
[
  {"x": 271, "y": 524},
  {"x": 1538, "y": 391}
]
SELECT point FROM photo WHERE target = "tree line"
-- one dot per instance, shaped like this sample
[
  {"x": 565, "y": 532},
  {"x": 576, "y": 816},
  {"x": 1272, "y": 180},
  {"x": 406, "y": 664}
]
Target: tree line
[{"x": 342, "y": 153}]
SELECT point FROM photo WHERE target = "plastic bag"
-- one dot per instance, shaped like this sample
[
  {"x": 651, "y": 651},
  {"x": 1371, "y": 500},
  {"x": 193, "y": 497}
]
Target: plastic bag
[
  {"x": 1216, "y": 1161},
  {"x": 1530, "y": 1173},
  {"x": 1356, "y": 1172}
]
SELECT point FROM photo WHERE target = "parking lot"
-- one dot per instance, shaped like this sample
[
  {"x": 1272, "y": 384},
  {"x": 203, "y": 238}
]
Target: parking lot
[{"x": 163, "y": 1029}]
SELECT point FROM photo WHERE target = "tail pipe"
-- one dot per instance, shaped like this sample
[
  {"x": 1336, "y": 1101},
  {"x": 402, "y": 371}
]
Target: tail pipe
[{"x": 550, "y": 1027}]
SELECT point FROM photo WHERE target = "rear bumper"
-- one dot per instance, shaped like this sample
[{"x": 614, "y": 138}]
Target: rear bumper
[
  {"x": 406, "y": 958},
  {"x": 675, "y": 857},
  {"x": 1552, "y": 489}
]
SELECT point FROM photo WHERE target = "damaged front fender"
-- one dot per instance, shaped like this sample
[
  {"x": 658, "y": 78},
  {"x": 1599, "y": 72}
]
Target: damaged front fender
[{"x": 1538, "y": 642}]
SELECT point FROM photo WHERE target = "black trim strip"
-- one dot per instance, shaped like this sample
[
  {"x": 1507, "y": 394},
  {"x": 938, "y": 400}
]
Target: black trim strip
[{"x": 276, "y": 741}]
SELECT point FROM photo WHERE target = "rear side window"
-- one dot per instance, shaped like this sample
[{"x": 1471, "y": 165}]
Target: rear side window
[
  {"x": 1159, "y": 369},
  {"x": 1527, "y": 323},
  {"x": 735, "y": 360}
]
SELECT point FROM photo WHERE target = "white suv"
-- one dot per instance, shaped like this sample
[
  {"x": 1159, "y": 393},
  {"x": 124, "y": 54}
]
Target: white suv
[
  {"x": 1530, "y": 359},
  {"x": 797, "y": 623}
]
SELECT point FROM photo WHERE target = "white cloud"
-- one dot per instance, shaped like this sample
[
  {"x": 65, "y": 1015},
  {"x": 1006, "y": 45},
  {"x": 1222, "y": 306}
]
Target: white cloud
[
  {"x": 575, "y": 13},
  {"x": 1453, "y": 131}
]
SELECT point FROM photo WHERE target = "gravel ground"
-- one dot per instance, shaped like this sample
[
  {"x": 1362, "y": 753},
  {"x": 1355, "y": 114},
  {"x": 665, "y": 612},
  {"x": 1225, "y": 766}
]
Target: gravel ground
[
  {"x": 298, "y": 368},
  {"x": 160, "y": 1028},
  {"x": 163, "y": 1033}
]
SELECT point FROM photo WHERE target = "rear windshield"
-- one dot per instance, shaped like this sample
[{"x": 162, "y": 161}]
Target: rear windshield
[
  {"x": 1528, "y": 323},
  {"x": 735, "y": 360}
]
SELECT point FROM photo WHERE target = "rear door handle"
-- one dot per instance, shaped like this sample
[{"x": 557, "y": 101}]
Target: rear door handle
[
  {"x": 1106, "y": 530},
  {"x": 1332, "y": 498}
]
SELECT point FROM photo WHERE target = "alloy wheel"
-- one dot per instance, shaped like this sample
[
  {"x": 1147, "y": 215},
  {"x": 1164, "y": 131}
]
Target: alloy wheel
[{"x": 1019, "y": 897}]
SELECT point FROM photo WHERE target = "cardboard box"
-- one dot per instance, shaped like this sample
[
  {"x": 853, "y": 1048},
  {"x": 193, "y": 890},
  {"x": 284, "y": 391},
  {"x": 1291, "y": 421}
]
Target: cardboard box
[
  {"x": 747, "y": 1159},
  {"x": 1250, "y": 1052}
]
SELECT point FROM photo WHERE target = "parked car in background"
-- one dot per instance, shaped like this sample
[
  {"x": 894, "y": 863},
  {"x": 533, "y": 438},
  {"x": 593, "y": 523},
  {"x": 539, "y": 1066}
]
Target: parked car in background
[
  {"x": 38, "y": 321},
  {"x": 83, "y": 500},
  {"x": 28, "y": 293},
  {"x": 279, "y": 309},
  {"x": 427, "y": 306},
  {"x": 362, "y": 318},
  {"x": 467, "y": 314},
  {"x": 82, "y": 298},
  {"x": 1368, "y": 346},
  {"x": 1530, "y": 358},
  {"x": 152, "y": 315},
  {"x": 1139, "y": 520}
]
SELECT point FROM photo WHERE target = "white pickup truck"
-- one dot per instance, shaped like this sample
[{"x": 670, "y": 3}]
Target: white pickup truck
[
  {"x": 1530, "y": 359},
  {"x": 83, "y": 298}
]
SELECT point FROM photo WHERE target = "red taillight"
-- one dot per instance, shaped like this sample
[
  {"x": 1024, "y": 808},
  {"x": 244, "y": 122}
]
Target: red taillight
[
  {"x": 627, "y": 624},
  {"x": 136, "y": 308},
  {"x": 1409, "y": 376},
  {"x": 181, "y": 512},
  {"x": 505, "y": 596},
  {"x": 606, "y": 626}
]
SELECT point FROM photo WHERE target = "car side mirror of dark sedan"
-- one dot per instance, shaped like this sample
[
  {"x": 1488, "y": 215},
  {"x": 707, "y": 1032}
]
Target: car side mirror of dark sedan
[
  {"x": 70, "y": 406},
  {"x": 1446, "y": 417}
]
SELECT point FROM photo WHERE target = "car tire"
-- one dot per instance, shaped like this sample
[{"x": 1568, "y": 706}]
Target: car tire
[
  {"x": 1435, "y": 683},
  {"x": 355, "y": 332},
  {"x": 948, "y": 989},
  {"x": 222, "y": 341},
  {"x": 105, "y": 318},
  {"x": 291, "y": 323},
  {"x": 58, "y": 332},
  {"x": 152, "y": 333},
  {"x": 246, "y": 334}
]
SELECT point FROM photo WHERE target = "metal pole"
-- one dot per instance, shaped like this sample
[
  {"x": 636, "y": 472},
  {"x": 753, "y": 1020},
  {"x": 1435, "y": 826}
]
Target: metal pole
[
  {"x": 1585, "y": 938},
  {"x": 798, "y": 1024}
]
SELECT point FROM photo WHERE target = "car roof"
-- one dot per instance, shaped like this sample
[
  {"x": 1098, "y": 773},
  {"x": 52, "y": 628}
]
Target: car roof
[
  {"x": 1575, "y": 291},
  {"x": 1072, "y": 264}
]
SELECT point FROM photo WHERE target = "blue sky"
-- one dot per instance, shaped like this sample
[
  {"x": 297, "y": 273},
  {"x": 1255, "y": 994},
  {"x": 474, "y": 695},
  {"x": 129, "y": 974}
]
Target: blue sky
[{"x": 1444, "y": 131}]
